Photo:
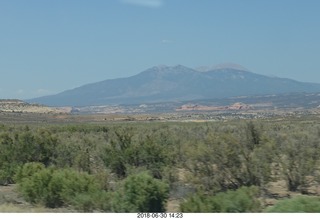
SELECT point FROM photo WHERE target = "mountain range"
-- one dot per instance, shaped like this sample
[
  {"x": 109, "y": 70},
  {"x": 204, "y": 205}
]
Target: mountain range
[{"x": 176, "y": 83}]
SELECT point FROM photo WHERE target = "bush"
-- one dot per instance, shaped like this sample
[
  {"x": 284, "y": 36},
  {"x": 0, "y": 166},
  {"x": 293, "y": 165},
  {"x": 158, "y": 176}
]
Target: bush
[
  {"x": 141, "y": 193},
  {"x": 299, "y": 204},
  {"x": 85, "y": 202},
  {"x": 126, "y": 150},
  {"x": 34, "y": 188},
  {"x": 18, "y": 147},
  {"x": 56, "y": 188},
  {"x": 7, "y": 164},
  {"x": 241, "y": 200},
  {"x": 28, "y": 170},
  {"x": 200, "y": 203}
]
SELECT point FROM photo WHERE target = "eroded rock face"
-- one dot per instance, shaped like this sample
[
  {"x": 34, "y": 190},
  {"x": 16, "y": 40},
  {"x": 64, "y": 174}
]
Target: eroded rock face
[
  {"x": 23, "y": 107},
  {"x": 239, "y": 106}
]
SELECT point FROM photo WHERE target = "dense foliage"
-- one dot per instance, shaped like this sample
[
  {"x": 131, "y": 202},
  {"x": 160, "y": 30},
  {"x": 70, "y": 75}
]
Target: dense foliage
[
  {"x": 56, "y": 187},
  {"x": 244, "y": 199},
  {"x": 300, "y": 204},
  {"x": 141, "y": 193},
  {"x": 109, "y": 167}
]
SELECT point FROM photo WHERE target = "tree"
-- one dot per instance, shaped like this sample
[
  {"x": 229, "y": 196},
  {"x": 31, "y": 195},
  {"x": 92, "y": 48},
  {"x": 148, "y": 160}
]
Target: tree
[
  {"x": 296, "y": 156},
  {"x": 114, "y": 154},
  {"x": 230, "y": 160},
  {"x": 141, "y": 193}
]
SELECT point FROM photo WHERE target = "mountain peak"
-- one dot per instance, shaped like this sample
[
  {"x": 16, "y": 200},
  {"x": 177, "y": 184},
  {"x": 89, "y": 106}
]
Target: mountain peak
[
  {"x": 161, "y": 67},
  {"x": 227, "y": 65},
  {"x": 168, "y": 69}
]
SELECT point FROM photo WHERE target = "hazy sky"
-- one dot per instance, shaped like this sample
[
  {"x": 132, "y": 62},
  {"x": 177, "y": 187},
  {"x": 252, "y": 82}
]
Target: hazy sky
[{"x": 47, "y": 46}]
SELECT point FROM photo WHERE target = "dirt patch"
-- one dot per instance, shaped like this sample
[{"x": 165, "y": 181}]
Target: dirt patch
[
  {"x": 9, "y": 195},
  {"x": 12, "y": 201},
  {"x": 278, "y": 190},
  {"x": 173, "y": 205}
]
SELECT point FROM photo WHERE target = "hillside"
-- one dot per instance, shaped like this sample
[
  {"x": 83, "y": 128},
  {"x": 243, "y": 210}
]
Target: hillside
[
  {"x": 18, "y": 106},
  {"x": 176, "y": 83}
]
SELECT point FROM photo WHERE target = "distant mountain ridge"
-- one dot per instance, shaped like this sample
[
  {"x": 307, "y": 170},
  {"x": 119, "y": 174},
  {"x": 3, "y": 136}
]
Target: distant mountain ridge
[{"x": 176, "y": 83}]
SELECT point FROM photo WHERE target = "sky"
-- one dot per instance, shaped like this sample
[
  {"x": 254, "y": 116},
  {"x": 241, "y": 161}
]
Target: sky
[{"x": 48, "y": 46}]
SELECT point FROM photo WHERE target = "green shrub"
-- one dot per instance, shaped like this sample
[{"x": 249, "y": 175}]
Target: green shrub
[
  {"x": 141, "y": 193},
  {"x": 85, "y": 202},
  {"x": 127, "y": 150},
  {"x": 200, "y": 203},
  {"x": 27, "y": 170},
  {"x": 56, "y": 188},
  {"x": 7, "y": 171},
  {"x": 34, "y": 188},
  {"x": 244, "y": 199},
  {"x": 18, "y": 147},
  {"x": 298, "y": 204},
  {"x": 7, "y": 162}
]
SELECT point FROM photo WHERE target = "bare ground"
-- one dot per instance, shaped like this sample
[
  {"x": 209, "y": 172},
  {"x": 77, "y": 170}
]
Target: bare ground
[{"x": 12, "y": 202}]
